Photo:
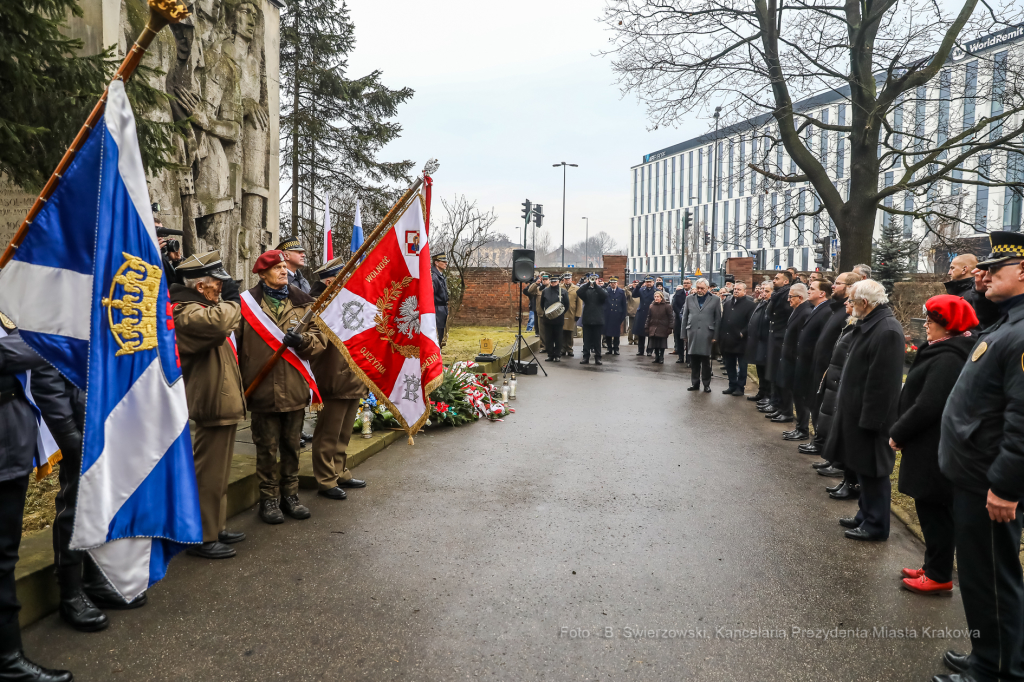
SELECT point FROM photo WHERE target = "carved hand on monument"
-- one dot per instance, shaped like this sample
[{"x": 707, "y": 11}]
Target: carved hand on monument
[
  {"x": 258, "y": 113},
  {"x": 192, "y": 104}
]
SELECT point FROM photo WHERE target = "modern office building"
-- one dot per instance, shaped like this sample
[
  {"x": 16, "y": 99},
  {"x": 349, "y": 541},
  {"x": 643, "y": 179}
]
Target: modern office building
[{"x": 736, "y": 212}]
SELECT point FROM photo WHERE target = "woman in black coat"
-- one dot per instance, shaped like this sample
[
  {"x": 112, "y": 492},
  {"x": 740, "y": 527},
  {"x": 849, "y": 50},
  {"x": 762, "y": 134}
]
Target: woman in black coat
[
  {"x": 658, "y": 326},
  {"x": 867, "y": 407},
  {"x": 929, "y": 382}
]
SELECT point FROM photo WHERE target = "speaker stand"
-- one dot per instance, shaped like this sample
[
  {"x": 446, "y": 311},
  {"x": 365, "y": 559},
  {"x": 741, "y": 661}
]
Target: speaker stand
[{"x": 520, "y": 342}]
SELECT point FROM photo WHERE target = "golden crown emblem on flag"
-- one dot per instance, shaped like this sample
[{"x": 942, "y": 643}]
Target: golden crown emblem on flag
[{"x": 138, "y": 282}]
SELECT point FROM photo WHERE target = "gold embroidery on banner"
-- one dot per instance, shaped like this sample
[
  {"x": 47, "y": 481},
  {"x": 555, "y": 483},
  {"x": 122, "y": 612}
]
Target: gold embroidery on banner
[
  {"x": 140, "y": 285},
  {"x": 378, "y": 269},
  {"x": 382, "y": 319},
  {"x": 6, "y": 322},
  {"x": 979, "y": 351}
]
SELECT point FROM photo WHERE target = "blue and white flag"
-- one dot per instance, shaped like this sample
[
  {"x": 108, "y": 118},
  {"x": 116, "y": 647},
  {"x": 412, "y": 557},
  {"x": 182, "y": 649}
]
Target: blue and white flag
[
  {"x": 86, "y": 288},
  {"x": 357, "y": 229}
]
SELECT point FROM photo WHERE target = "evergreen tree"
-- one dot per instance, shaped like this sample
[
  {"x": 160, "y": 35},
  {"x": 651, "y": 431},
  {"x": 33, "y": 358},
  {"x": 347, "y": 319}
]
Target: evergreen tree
[
  {"x": 332, "y": 126},
  {"x": 49, "y": 90},
  {"x": 891, "y": 255}
]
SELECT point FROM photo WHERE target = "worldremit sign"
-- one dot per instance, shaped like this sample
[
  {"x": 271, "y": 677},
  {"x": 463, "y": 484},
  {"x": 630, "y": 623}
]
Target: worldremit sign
[{"x": 983, "y": 43}]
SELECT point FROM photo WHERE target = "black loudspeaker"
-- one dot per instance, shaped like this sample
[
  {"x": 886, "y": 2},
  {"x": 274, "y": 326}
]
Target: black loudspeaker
[{"x": 522, "y": 265}]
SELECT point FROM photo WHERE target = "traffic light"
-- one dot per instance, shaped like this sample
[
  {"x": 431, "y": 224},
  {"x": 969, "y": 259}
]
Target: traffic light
[
  {"x": 821, "y": 253},
  {"x": 527, "y": 207},
  {"x": 687, "y": 219},
  {"x": 538, "y": 215},
  {"x": 755, "y": 257}
]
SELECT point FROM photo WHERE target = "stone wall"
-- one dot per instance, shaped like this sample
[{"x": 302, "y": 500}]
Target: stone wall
[{"x": 221, "y": 67}]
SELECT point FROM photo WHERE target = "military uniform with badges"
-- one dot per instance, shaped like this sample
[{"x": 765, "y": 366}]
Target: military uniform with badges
[
  {"x": 441, "y": 296},
  {"x": 213, "y": 389},
  {"x": 341, "y": 391},
  {"x": 615, "y": 308},
  {"x": 295, "y": 279},
  {"x": 981, "y": 450},
  {"x": 572, "y": 312}
]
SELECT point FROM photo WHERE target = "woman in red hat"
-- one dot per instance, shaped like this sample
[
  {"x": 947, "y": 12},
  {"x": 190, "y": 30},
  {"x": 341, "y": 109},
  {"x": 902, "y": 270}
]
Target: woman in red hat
[{"x": 916, "y": 434}]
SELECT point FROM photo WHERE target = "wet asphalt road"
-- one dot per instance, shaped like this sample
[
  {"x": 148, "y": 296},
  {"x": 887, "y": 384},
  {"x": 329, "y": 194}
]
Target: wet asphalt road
[{"x": 613, "y": 501}]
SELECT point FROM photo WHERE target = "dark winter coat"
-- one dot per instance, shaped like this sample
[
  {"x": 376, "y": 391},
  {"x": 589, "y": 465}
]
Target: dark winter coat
[
  {"x": 614, "y": 312},
  {"x": 736, "y": 313},
  {"x": 829, "y": 388},
  {"x": 659, "y": 320},
  {"x": 805, "y": 382},
  {"x": 827, "y": 340},
  {"x": 678, "y": 301},
  {"x": 988, "y": 312},
  {"x": 778, "y": 313},
  {"x": 646, "y": 298},
  {"x": 593, "y": 298},
  {"x": 757, "y": 335},
  {"x": 869, "y": 393},
  {"x": 549, "y": 297},
  {"x": 786, "y": 376},
  {"x": 929, "y": 382},
  {"x": 982, "y": 445},
  {"x": 440, "y": 288}
]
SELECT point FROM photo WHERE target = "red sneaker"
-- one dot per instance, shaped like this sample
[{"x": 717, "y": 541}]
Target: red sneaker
[
  {"x": 912, "y": 573},
  {"x": 925, "y": 585}
]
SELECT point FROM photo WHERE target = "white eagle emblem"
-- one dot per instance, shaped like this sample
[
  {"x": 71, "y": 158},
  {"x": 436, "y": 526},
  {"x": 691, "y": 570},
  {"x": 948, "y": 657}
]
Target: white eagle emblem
[{"x": 408, "y": 320}]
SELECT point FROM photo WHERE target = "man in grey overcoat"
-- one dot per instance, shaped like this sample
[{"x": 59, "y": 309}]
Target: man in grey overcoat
[{"x": 702, "y": 317}]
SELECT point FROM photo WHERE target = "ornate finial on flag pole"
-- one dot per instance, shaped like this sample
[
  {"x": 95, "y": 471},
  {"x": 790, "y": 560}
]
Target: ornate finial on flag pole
[
  {"x": 431, "y": 166},
  {"x": 161, "y": 13}
]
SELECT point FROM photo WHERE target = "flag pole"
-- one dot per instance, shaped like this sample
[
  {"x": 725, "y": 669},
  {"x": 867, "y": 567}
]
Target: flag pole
[
  {"x": 161, "y": 13},
  {"x": 340, "y": 279}
]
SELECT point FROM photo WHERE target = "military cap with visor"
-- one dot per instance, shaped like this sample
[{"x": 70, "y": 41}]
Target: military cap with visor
[
  {"x": 290, "y": 244},
  {"x": 331, "y": 268},
  {"x": 1005, "y": 246},
  {"x": 203, "y": 265}
]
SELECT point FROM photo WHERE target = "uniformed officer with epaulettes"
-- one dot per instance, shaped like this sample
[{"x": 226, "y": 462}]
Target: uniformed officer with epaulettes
[
  {"x": 982, "y": 452},
  {"x": 18, "y": 433}
]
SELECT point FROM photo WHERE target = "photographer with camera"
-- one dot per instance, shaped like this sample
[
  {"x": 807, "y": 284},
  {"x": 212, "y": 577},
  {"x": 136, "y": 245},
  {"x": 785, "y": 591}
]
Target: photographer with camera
[{"x": 170, "y": 249}]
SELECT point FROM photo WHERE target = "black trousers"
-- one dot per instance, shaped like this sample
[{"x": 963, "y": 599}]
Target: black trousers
[
  {"x": 874, "y": 502},
  {"x": 66, "y": 503},
  {"x": 819, "y": 434},
  {"x": 553, "y": 337},
  {"x": 802, "y": 401},
  {"x": 12, "y": 507},
  {"x": 764, "y": 385},
  {"x": 936, "y": 516},
  {"x": 641, "y": 341},
  {"x": 677, "y": 334},
  {"x": 592, "y": 340},
  {"x": 700, "y": 368},
  {"x": 736, "y": 370},
  {"x": 782, "y": 398},
  {"x": 612, "y": 342},
  {"x": 991, "y": 586},
  {"x": 441, "y": 318}
]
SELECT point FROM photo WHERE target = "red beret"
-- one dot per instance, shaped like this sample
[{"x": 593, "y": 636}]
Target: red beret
[
  {"x": 952, "y": 312},
  {"x": 268, "y": 260}
]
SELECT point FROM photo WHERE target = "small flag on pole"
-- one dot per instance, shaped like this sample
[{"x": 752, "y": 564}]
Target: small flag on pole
[
  {"x": 357, "y": 230},
  {"x": 328, "y": 238}
]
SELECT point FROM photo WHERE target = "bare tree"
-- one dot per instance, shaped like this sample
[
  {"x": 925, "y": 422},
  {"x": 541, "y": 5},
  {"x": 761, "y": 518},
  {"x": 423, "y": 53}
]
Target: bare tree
[
  {"x": 880, "y": 58},
  {"x": 461, "y": 232}
]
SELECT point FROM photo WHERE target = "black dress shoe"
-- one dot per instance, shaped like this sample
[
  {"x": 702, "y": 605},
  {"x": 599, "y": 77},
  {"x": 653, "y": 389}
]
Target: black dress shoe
[
  {"x": 809, "y": 449},
  {"x": 305, "y": 437},
  {"x": 821, "y": 465},
  {"x": 738, "y": 392},
  {"x": 615, "y": 352},
  {"x": 796, "y": 434},
  {"x": 845, "y": 492},
  {"x": 14, "y": 667},
  {"x": 585, "y": 361},
  {"x": 680, "y": 361},
  {"x": 849, "y": 522},
  {"x": 786, "y": 433},
  {"x": 102, "y": 594},
  {"x": 956, "y": 677},
  {"x": 861, "y": 534},
  {"x": 81, "y": 614},
  {"x": 557, "y": 360},
  {"x": 768, "y": 409},
  {"x": 831, "y": 472},
  {"x": 756, "y": 398},
  {"x": 549, "y": 359},
  {"x": 211, "y": 550},
  {"x": 781, "y": 418},
  {"x": 230, "y": 537},
  {"x": 597, "y": 361},
  {"x": 335, "y": 493},
  {"x": 291, "y": 506},
  {"x": 693, "y": 388},
  {"x": 837, "y": 486},
  {"x": 958, "y": 663},
  {"x": 352, "y": 483},
  {"x": 768, "y": 414},
  {"x": 707, "y": 389},
  {"x": 727, "y": 391},
  {"x": 640, "y": 352}
]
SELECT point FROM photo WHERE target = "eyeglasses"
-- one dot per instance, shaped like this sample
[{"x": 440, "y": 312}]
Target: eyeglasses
[{"x": 995, "y": 267}]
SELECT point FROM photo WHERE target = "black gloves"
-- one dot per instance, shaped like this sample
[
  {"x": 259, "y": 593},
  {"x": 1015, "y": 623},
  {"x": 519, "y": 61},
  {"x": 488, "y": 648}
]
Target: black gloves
[
  {"x": 230, "y": 291},
  {"x": 292, "y": 340},
  {"x": 67, "y": 436}
]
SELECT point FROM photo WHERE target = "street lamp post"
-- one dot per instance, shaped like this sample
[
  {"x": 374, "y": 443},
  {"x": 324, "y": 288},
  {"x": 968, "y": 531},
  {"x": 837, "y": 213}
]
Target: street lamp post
[
  {"x": 586, "y": 243},
  {"x": 563, "y": 164},
  {"x": 714, "y": 195}
]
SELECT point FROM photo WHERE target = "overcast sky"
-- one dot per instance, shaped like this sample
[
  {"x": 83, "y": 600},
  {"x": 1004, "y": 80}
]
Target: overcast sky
[{"x": 505, "y": 90}]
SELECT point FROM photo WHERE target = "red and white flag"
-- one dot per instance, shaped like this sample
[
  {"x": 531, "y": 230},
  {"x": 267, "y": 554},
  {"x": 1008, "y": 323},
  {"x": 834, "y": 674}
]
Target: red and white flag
[
  {"x": 328, "y": 254},
  {"x": 382, "y": 317}
]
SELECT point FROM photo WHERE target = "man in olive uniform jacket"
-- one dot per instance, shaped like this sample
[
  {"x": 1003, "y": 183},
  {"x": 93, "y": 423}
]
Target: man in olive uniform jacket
[
  {"x": 207, "y": 310},
  {"x": 535, "y": 290},
  {"x": 341, "y": 391},
  {"x": 279, "y": 402},
  {"x": 982, "y": 452},
  {"x": 572, "y": 311}
]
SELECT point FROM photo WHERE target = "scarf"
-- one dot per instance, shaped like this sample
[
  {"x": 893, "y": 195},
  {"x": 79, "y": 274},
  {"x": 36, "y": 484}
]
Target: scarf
[
  {"x": 701, "y": 300},
  {"x": 276, "y": 294}
]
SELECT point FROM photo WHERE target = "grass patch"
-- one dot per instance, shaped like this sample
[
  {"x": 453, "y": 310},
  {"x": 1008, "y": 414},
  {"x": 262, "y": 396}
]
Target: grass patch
[
  {"x": 39, "y": 503},
  {"x": 464, "y": 342}
]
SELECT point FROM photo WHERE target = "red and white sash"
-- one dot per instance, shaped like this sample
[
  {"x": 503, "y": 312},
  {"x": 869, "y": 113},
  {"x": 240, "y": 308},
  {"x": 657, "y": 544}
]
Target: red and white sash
[{"x": 269, "y": 332}]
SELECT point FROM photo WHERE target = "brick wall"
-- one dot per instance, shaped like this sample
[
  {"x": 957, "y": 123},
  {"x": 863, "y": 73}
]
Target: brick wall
[
  {"x": 492, "y": 299},
  {"x": 742, "y": 268}
]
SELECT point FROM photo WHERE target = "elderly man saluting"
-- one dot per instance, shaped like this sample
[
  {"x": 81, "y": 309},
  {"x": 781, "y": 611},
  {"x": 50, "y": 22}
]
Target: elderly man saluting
[
  {"x": 206, "y": 312},
  {"x": 271, "y": 311}
]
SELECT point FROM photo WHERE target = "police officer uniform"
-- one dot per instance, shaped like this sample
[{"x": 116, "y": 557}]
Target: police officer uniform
[
  {"x": 982, "y": 451},
  {"x": 440, "y": 283},
  {"x": 295, "y": 279},
  {"x": 18, "y": 433}
]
